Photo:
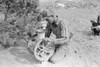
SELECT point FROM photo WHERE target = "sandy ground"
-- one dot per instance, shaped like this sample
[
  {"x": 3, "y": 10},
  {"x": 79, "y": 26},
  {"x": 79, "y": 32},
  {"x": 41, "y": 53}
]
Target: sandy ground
[{"x": 83, "y": 50}]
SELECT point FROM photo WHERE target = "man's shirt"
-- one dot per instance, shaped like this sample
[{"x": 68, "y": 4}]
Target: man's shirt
[{"x": 61, "y": 30}]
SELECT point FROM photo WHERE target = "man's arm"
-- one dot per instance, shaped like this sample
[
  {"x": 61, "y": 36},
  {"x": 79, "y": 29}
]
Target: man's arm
[
  {"x": 63, "y": 39},
  {"x": 66, "y": 34},
  {"x": 48, "y": 30}
]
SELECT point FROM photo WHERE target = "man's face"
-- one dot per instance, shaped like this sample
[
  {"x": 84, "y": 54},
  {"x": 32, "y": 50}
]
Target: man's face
[{"x": 51, "y": 19}]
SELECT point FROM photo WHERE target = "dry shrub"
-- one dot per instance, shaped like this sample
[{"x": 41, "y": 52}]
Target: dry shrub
[{"x": 18, "y": 23}]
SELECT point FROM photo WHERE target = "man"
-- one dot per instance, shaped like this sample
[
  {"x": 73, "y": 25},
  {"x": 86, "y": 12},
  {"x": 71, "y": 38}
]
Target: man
[
  {"x": 95, "y": 26},
  {"x": 63, "y": 36},
  {"x": 96, "y": 23}
]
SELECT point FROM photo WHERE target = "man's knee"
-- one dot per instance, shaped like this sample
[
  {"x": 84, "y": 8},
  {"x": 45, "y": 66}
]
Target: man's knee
[{"x": 59, "y": 55}]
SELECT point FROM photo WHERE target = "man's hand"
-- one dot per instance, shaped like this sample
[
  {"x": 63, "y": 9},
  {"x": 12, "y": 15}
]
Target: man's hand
[
  {"x": 51, "y": 42},
  {"x": 47, "y": 39}
]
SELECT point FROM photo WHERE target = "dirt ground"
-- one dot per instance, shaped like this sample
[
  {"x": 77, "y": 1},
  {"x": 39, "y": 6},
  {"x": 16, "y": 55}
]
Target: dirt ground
[{"x": 83, "y": 50}]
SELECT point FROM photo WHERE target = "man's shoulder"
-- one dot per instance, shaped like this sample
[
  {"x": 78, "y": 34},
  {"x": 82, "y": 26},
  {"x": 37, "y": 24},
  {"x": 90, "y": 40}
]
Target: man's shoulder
[{"x": 63, "y": 22}]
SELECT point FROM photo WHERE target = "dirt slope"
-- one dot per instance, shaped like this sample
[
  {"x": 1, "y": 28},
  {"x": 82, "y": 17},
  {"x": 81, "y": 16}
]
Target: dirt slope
[{"x": 83, "y": 50}]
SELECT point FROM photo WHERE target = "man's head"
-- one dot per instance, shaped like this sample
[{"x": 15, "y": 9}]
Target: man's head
[
  {"x": 52, "y": 18},
  {"x": 49, "y": 16}
]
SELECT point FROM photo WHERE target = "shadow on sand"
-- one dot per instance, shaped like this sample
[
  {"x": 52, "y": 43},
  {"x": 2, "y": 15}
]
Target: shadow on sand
[{"x": 23, "y": 56}]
